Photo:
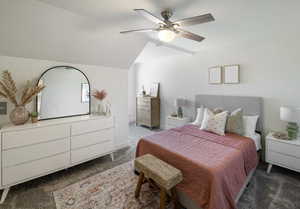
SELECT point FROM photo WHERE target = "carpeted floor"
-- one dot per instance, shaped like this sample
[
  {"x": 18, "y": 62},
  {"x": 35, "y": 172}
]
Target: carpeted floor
[{"x": 279, "y": 190}]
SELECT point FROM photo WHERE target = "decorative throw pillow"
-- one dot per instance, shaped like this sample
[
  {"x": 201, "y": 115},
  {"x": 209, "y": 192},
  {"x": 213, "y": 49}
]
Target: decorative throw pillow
[
  {"x": 199, "y": 117},
  {"x": 217, "y": 110},
  {"x": 214, "y": 122},
  {"x": 235, "y": 122},
  {"x": 250, "y": 124}
]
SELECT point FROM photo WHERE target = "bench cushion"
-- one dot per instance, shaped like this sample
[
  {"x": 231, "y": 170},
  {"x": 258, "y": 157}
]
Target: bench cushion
[{"x": 159, "y": 171}]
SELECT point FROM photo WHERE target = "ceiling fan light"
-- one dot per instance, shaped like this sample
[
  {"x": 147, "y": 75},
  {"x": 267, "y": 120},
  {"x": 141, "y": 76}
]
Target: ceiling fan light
[{"x": 166, "y": 35}]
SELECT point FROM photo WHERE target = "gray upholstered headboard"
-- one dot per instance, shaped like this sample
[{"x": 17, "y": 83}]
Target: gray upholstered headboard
[{"x": 250, "y": 105}]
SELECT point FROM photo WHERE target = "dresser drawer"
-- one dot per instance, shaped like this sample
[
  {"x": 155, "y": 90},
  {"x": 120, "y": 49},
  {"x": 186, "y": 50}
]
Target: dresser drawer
[
  {"x": 284, "y": 148},
  {"x": 143, "y": 108},
  {"x": 92, "y": 138},
  {"x": 143, "y": 101},
  {"x": 283, "y": 160},
  {"x": 92, "y": 125},
  {"x": 34, "y": 169},
  {"x": 13, "y": 139},
  {"x": 25, "y": 154},
  {"x": 90, "y": 152}
]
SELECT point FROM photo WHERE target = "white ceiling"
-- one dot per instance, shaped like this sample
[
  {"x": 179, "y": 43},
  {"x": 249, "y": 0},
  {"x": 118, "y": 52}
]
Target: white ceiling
[{"x": 87, "y": 31}]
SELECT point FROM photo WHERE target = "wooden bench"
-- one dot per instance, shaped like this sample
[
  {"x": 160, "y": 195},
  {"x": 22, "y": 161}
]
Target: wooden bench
[{"x": 164, "y": 175}]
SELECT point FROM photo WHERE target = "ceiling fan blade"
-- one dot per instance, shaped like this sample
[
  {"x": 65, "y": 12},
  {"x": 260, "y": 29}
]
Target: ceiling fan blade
[
  {"x": 150, "y": 16},
  {"x": 195, "y": 20},
  {"x": 140, "y": 30},
  {"x": 190, "y": 35}
]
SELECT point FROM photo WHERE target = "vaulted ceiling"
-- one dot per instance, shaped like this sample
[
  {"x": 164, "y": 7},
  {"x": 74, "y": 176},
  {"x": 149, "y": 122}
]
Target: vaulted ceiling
[{"x": 87, "y": 31}]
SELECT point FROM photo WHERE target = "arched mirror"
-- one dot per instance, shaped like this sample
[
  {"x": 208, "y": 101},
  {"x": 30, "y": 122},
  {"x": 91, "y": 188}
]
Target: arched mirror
[{"x": 67, "y": 93}]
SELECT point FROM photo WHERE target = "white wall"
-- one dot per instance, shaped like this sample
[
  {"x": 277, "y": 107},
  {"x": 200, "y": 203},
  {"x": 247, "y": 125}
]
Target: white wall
[
  {"x": 112, "y": 79},
  {"x": 269, "y": 69},
  {"x": 132, "y": 92}
]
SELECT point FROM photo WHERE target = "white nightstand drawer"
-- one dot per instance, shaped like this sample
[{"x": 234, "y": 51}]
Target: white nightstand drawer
[
  {"x": 284, "y": 160},
  {"x": 173, "y": 122},
  {"x": 284, "y": 148}
]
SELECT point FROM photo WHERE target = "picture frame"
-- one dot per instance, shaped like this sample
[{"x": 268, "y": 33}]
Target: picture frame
[
  {"x": 154, "y": 90},
  {"x": 215, "y": 75},
  {"x": 85, "y": 93},
  {"x": 231, "y": 74}
]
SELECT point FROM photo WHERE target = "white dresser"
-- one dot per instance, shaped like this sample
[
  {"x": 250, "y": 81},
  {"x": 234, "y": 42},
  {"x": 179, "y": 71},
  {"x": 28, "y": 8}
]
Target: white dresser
[
  {"x": 284, "y": 153},
  {"x": 33, "y": 150},
  {"x": 173, "y": 122}
]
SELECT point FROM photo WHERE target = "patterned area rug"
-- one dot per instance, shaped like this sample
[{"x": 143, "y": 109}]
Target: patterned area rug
[{"x": 111, "y": 189}]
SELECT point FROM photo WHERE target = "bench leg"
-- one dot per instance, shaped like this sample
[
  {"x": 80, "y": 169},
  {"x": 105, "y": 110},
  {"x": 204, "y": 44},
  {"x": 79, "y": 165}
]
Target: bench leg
[
  {"x": 163, "y": 198},
  {"x": 139, "y": 185},
  {"x": 269, "y": 168},
  {"x": 4, "y": 194},
  {"x": 112, "y": 156},
  {"x": 175, "y": 198}
]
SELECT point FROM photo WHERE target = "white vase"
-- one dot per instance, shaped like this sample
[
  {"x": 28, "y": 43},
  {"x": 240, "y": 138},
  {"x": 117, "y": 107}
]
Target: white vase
[{"x": 101, "y": 108}]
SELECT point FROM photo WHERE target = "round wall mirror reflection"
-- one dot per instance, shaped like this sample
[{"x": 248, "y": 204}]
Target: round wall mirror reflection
[{"x": 67, "y": 93}]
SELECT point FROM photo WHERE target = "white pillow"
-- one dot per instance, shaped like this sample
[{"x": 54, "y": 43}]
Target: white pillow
[
  {"x": 199, "y": 116},
  {"x": 249, "y": 123},
  {"x": 214, "y": 123}
]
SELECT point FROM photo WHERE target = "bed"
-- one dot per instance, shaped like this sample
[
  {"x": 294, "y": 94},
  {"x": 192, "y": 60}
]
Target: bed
[{"x": 216, "y": 169}]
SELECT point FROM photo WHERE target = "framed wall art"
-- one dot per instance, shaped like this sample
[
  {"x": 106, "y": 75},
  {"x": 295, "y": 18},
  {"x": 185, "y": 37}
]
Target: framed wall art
[
  {"x": 215, "y": 75},
  {"x": 231, "y": 74}
]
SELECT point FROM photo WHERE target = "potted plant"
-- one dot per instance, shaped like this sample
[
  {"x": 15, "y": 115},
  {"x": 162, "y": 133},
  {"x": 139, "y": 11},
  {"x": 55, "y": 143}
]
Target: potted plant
[
  {"x": 34, "y": 117},
  {"x": 8, "y": 90}
]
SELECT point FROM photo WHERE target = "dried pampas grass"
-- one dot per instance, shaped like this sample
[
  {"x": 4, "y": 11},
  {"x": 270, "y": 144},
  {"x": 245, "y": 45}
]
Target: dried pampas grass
[
  {"x": 100, "y": 95},
  {"x": 30, "y": 92},
  {"x": 9, "y": 90}
]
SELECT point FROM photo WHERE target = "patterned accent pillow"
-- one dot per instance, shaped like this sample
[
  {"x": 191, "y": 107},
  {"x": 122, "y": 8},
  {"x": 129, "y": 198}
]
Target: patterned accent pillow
[
  {"x": 217, "y": 110},
  {"x": 235, "y": 122},
  {"x": 214, "y": 122}
]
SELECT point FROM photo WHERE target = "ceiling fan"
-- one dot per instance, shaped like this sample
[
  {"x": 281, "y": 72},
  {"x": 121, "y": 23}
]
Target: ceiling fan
[{"x": 168, "y": 30}]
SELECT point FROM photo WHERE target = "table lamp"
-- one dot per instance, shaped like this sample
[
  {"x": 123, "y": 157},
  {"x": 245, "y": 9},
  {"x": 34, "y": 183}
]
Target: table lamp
[
  {"x": 291, "y": 115},
  {"x": 179, "y": 103}
]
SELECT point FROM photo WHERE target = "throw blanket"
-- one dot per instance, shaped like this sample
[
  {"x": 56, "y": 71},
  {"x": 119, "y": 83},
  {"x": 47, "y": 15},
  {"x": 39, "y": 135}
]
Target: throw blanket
[{"x": 214, "y": 167}]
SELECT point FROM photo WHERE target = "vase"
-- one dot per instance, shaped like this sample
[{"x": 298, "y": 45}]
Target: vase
[
  {"x": 19, "y": 115},
  {"x": 101, "y": 109}
]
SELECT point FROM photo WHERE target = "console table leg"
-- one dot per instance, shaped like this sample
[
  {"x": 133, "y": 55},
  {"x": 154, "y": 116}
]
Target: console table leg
[
  {"x": 112, "y": 156},
  {"x": 4, "y": 194},
  {"x": 269, "y": 168}
]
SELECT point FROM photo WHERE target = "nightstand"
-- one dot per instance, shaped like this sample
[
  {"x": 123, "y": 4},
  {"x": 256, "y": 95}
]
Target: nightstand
[
  {"x": 173, "y": 122},
  {"x": 284, "y": 153}
]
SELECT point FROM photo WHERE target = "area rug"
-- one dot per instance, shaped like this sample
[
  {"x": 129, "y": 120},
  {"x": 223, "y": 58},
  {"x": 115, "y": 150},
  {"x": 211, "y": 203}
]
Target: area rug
[{"x": 111, "y": 189}]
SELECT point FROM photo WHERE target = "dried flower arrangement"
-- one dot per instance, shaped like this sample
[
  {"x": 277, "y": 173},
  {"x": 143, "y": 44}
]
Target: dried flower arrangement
[
  {"x": 103, "y": 107},
  {"x": 8, "y": 90},
  {"x": 100, "y": 95}
]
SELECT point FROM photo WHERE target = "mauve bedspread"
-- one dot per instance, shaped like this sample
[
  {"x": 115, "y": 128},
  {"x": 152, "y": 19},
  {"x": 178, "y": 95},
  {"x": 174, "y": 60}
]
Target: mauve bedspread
[{"x": 214, "y": 167}]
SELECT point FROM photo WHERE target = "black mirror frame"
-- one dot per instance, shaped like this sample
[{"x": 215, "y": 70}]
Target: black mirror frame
[{"x": 67, "y": 116}]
